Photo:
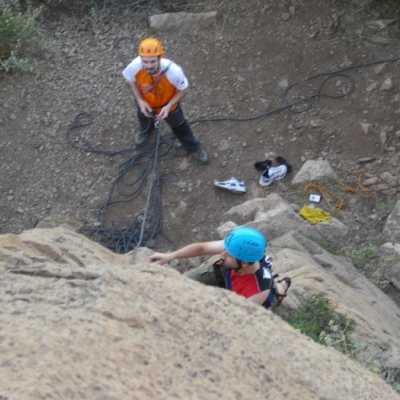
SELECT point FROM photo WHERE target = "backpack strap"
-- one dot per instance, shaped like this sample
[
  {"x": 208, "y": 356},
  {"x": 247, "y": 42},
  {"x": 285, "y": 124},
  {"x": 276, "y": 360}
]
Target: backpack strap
[
  {"x": 228, "y": 280},
  {"x": 219, "y": 272},
  {"x": 267, "y": 262},
  {"x": 271, "y": 297}
]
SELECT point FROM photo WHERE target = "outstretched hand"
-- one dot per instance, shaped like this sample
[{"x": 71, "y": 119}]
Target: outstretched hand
[{"x": 160, "y": 258}]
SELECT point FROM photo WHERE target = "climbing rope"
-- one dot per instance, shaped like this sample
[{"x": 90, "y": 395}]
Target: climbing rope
[
  {"x": 367, "y": 192},
  {"x": 154, "y": 179},
  {"x": 308, "y": 101},
  {"x": 75, "y": 138},
  {"x": 145, "y": 229},
  {"x": 324, "y": 193}
]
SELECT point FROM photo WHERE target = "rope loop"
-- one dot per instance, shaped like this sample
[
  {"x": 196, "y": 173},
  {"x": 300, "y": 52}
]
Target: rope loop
[
  {"x": 367, "y": 192},
  {"x": 324, "y": 193}
]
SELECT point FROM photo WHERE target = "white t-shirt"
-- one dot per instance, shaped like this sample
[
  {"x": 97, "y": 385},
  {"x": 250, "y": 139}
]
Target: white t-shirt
[{"x": 174, "y": 72}]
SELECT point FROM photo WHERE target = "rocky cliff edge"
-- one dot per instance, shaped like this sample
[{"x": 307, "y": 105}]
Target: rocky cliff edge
[{"x": 78, "y": 321}]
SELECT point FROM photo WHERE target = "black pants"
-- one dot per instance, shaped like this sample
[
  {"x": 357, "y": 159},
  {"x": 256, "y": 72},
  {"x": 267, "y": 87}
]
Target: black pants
[{"x": 180, "y": 127}]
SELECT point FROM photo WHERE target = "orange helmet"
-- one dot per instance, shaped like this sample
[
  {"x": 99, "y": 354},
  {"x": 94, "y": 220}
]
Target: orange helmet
[{"x": 150, "y": 47}]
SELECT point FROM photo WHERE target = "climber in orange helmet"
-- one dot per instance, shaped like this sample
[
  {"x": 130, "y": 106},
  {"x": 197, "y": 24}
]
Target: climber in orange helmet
[{"x": 159, "y": 85}]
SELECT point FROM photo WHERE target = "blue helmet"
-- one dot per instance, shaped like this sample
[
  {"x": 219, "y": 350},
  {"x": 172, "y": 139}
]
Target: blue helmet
[{"x": 245, "y": 244}]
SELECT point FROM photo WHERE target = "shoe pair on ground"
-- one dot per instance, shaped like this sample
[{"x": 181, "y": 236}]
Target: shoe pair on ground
[
  {"x": 272, "y": 174},
  {"x": 200, "y": 155},
  {"x": 269, "y": 175}
]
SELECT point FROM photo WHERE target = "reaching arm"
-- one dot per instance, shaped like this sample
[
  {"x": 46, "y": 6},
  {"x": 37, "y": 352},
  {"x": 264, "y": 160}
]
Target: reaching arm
[{"x": 192, "y": 250}]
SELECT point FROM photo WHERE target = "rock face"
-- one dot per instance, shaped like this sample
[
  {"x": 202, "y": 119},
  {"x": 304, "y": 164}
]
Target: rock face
[
  {"x": 292, "y": 243},
  {"x": 392, "y": 226},
  {"x": 78, "y": 321},
  {"x": 314, "y": 170},
  {"x": 274, "y": 217},
  {"x": 187, "y": 22},
  {"x": 315, "y": 270}
]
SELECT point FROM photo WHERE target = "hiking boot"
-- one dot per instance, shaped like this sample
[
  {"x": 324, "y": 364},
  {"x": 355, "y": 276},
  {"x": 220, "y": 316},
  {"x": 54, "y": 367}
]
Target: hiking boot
[
  {"x": 201, "y": 156},
  {"x": 233, "y": 185},
  {"x": 273, "y": 174},
  {"x": 141, "y": 138}
]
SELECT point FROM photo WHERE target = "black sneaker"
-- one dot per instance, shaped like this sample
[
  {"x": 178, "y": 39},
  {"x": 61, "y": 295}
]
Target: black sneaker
[
  {"x": 201, "y": 156},
  {"x": 263, "y": 165}
]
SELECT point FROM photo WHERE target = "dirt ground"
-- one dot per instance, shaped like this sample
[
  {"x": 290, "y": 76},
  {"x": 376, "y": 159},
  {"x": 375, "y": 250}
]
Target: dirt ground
[{"x": 236, "y": 70}]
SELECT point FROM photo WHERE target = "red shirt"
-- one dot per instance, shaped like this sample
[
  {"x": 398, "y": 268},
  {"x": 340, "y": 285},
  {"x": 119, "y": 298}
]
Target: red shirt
[
  {"x": 245, "y": 285},
  {"x": 248, "y": 285}
]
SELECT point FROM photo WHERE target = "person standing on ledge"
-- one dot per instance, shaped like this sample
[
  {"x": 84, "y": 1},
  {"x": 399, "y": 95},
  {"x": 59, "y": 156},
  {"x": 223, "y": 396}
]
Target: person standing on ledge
[{"x": 159, "y": 85}]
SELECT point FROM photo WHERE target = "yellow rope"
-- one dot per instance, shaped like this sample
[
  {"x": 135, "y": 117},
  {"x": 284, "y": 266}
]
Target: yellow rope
[
  {"x": 352, "y": 190},
  {"x": 323, "y": 190}
]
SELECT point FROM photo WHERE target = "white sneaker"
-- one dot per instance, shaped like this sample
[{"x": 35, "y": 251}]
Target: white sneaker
[
  {"x": 273, "y": 174},
  {"x": 233, "y": 185}
]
